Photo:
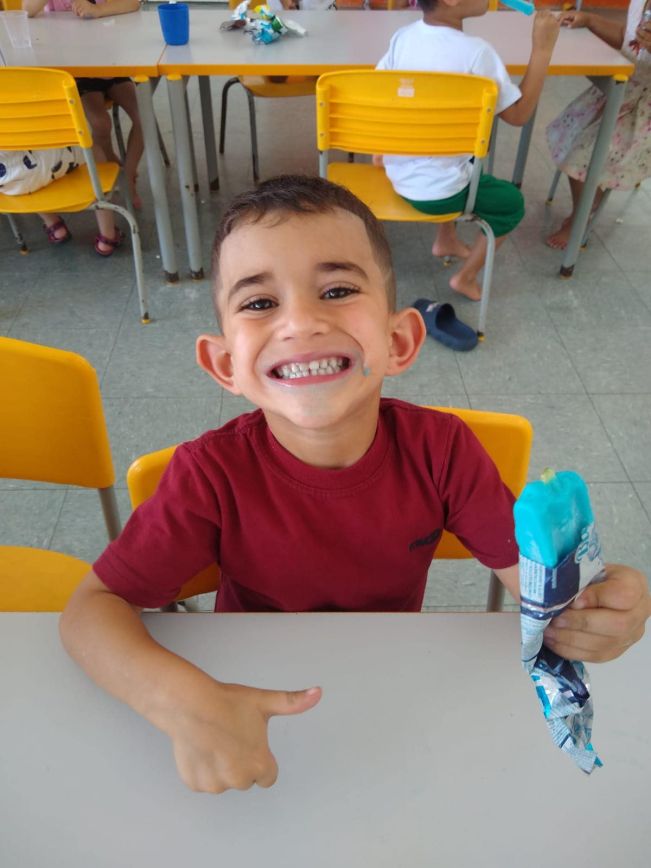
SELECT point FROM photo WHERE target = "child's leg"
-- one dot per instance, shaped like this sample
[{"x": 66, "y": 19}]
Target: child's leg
[
  {"x": 100, "y": 123},
  {"x": 57, "y": 231},
  {"x": 465, "y": 280},
  {"x": 109, "y": 235},
  {"x": 447, "y": 243},
  {"x": 558, "y": 240},
  {"x": 124, "y": 94}
]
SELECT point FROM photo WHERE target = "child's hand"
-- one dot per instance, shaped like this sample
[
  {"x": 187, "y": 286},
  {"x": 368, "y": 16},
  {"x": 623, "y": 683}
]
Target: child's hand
[
  {"x": 605, "y": 619},
  {"x": 573, "y": 19},
  {"x": 643, "y": 36},
  {"x": 223, "y": 745},
  {"x": 84, "y": 9},
  {"x": 545, "y": 31}
]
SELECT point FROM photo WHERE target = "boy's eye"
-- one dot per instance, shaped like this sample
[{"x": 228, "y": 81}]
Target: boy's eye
[
  {"x": 258, "y": 304},
  {"x": 340, "y": 292}
]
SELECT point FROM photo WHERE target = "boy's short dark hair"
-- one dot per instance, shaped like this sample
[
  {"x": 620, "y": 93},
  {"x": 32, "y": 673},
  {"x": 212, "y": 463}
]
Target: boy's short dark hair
[
  {"x": 427, "y": 5},
  {"x": 303, "y": 194}
]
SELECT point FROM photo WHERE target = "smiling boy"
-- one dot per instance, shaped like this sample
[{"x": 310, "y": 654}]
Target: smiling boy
[{"x": 325, "y": 498}]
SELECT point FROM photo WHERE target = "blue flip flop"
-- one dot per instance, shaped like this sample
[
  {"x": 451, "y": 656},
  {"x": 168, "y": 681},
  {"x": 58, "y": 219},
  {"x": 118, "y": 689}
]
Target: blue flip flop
[{"x": 442, "y": 324}]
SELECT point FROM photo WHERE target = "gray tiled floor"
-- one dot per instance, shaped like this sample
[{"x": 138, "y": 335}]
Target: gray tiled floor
[{"x": 574, "y": 356}]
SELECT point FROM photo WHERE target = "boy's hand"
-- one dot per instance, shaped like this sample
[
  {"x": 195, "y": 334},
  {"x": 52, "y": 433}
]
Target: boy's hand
[
  {"x": 84, "y": 9},
  {"x": 545, "y": 31},
  {"x": 643, "y": 36},
  {"x": 605, "y": 619},
  {"x": 223, "y": 745},
  {"x": 573, "y": 19}
]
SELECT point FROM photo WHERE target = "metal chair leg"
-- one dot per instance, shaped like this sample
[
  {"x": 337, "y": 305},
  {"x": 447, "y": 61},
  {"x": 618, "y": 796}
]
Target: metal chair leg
[
  {"x": 495, "y": 600},
  {"x": 222, "y": 122},
  {"x": 552, "y": 189},
  {"x": 17, "y": 234}
]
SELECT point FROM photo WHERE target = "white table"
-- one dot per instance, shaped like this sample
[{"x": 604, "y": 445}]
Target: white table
[
  {"x": 128, "y": 45},
  {"x": 427, "y": 749},
  {"x": 354, "y": 39}
]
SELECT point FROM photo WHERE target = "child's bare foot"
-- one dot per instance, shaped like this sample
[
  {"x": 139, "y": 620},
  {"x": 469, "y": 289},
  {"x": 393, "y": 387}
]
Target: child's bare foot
[
  {"x": 470, "y": 288},
  {"x": 558, "y": 240},
  {"x": 450, "y": 247}
]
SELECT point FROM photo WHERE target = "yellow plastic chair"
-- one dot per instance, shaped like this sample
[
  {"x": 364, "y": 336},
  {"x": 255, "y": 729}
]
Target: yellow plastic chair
[
  {"x": 53, "y": 430},
  {"x": 506, "y": 438},
  {"x": 10, "y": 5},
  {"x": 41, "y": 109},
  {"x": 142, "y": 480},
  {"x": 411, "y": 114},
  {"x": 265, "y": 87}
]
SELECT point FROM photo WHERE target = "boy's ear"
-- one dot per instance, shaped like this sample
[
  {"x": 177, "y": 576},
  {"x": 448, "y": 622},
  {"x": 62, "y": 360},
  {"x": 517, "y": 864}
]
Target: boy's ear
[
  {"x": 407, "y": 336},
  {"x": 215, "y": 359}
]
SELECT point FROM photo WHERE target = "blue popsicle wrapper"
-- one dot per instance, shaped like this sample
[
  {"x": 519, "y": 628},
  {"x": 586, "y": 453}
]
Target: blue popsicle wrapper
[{"x": 562, "y": 685}]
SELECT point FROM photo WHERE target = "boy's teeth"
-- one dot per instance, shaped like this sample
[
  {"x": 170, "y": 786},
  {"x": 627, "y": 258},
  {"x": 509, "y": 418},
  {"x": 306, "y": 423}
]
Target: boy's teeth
[{"x": 295, "y": 370}]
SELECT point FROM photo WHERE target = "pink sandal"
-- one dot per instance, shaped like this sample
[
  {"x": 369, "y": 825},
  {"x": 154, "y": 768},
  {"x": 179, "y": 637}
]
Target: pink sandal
[
  {"x": 111, "y": 243},
  {"x": 51, "y": 232}
]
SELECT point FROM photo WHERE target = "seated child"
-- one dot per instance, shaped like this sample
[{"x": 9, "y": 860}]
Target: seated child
[
  {"x": 325, "y": 498},
  {"x": 439, "y": 185},
  {"x": 28, "y": 171},
  {"x": 95, "y": 91}
]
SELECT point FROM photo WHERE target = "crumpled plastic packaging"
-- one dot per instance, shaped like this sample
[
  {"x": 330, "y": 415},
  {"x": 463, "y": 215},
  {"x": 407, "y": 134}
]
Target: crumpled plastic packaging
[
  {"x": 562, "y": 686},
  {"x": 263, "y": 24}
]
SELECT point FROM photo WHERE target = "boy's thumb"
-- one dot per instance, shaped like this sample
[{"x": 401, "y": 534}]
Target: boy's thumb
[{"x": 290, "y": 701}]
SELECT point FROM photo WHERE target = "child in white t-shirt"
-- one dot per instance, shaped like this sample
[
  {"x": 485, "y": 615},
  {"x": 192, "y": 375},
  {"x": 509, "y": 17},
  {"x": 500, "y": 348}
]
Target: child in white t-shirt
[{"x": 439, "y": 185}]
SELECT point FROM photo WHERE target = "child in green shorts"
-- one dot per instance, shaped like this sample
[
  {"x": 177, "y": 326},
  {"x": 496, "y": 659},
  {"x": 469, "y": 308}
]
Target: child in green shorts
[{"x": 439, "y": 185}]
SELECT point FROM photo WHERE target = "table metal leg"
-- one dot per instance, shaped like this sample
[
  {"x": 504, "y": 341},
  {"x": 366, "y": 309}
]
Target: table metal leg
[
  {"x": 156, "y": 178},
  {"x": 209, "y": 132},
  {"x": 176, "y": 95},
  {"x": 523, "y": 151},
  {"x": 614, "y": 97}
]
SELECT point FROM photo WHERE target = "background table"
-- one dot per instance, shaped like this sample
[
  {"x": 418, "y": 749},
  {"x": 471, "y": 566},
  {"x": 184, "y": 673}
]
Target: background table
[{"x": 428, "y": 748}]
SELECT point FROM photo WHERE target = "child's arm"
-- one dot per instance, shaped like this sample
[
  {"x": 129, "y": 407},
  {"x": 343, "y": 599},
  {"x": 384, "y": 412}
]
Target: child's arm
[
  {"x": 605, "y": 619},
  {"x": 33, "y": 7},
  {"x": 85, "y": 9},
  {"x": 543, "y": 39},
  {"x": 610, "y": 31},
  {"x": 218, "y": 731}
]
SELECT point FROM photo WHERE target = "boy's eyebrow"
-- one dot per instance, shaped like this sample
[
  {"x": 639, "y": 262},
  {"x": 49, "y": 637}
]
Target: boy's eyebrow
[{"x": 263, "y": 276}]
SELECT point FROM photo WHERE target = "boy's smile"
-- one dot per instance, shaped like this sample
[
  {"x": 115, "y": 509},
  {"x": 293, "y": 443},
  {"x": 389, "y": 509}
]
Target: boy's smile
[{"x": 307, "y": 332}]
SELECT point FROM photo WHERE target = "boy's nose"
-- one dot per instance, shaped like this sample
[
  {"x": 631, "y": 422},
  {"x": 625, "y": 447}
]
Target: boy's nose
[{"x": 302, "y": 317}]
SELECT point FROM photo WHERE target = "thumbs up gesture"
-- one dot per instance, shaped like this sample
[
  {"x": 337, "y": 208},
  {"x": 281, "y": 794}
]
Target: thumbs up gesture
[{"x": 220, "y": 736}]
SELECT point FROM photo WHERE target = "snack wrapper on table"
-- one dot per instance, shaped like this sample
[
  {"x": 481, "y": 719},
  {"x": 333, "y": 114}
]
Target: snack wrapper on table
[
  {"x": 560, "y": 554},
  {"x": 263, "y": 24}
]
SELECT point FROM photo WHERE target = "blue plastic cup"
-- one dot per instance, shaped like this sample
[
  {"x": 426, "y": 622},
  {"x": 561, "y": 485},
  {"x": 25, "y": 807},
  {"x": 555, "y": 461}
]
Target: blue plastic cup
[{"x": 174, "y": 22}]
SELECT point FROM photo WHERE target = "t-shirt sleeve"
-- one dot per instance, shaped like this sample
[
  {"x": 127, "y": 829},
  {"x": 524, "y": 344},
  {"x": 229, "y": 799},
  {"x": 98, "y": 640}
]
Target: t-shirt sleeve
[
  {"x": 168, "y": 539},
  {"x": 478, "y": 505},
  {"x": 489, "y": 64}
]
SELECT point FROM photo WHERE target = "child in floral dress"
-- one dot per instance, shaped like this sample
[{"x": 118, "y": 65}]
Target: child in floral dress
[{"x": 572, "y": 135}]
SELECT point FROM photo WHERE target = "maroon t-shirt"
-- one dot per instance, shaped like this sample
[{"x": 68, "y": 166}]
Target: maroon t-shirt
[{"x": 295, "y": 538}]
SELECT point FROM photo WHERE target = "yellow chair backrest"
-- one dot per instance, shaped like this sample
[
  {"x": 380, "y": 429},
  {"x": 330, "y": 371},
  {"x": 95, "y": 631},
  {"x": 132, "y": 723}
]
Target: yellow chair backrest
[
  {"x": 142, "y": 480},
  {"x": 51, "y": 417},
  {"x": 506, "y": 438},
  {"x": 411, "y": 113},
  {"x": 40, "y": 108},
  {"x": 52, "y": 429}
]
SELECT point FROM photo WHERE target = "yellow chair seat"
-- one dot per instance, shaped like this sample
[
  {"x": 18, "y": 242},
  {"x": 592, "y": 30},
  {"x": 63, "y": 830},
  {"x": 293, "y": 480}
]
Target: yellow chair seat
[
  {"x": 38, "y": 580},
  {"x": 73, "y": 192},
  {"x": 294, "y": 85},
  {"x": 370, "y": 184}
]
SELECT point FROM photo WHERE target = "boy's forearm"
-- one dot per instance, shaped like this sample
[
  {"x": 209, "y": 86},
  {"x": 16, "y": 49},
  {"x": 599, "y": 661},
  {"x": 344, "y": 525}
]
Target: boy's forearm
[
  {"x": 107, "y": 638},
  {"x": 530, "y": 87},
  {"x": 33, "y": 7},
  {"x": 510, "y": 578}
]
